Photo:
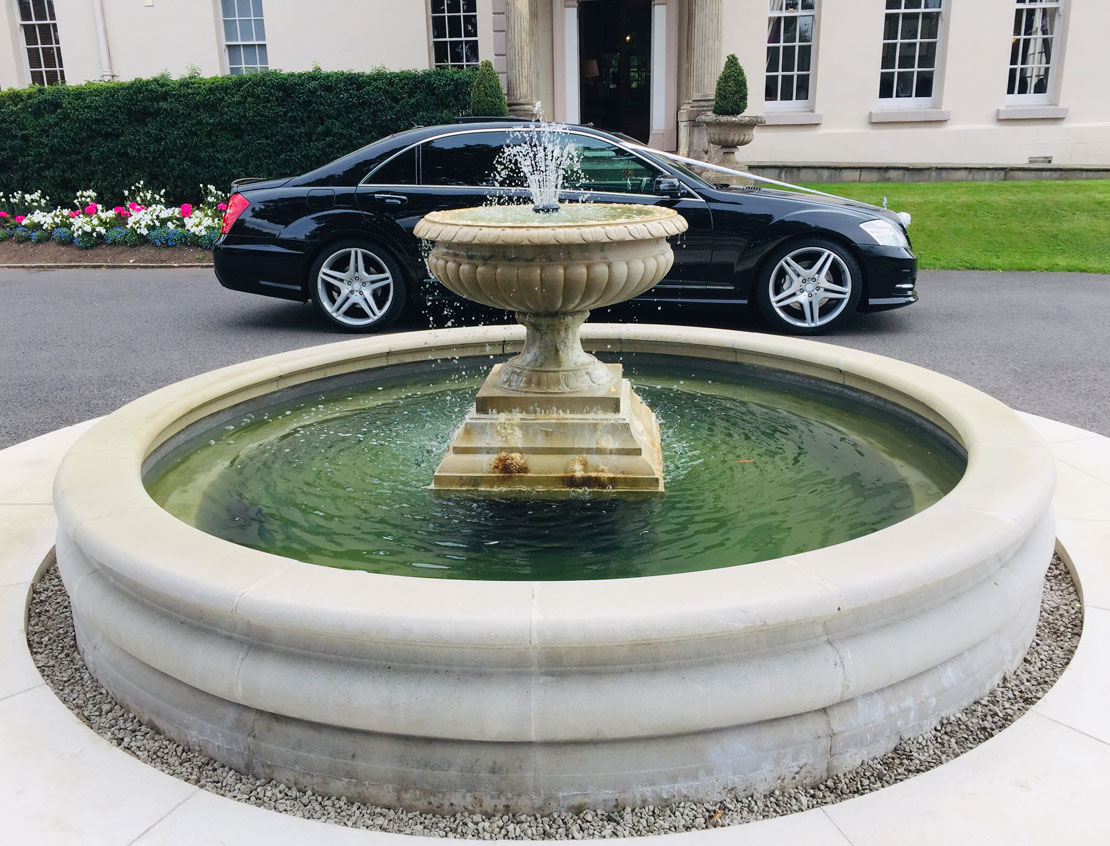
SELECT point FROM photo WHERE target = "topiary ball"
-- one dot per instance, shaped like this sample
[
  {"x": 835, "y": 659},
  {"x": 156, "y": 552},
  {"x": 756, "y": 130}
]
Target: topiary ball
[
  {"x": 732, "y": 89},
  {"x": 486, "y": 97}
]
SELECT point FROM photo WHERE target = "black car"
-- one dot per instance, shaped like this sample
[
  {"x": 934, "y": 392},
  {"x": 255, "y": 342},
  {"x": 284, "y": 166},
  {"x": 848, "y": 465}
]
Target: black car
[{"x": 341, "y": 235}]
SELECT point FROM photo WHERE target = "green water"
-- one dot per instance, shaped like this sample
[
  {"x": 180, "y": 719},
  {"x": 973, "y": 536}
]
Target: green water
[{"x": 755, "y": 469}]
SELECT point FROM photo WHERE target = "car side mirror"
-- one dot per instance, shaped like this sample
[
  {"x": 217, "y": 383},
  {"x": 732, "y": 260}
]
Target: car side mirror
[{"x": 668, "y": 186}]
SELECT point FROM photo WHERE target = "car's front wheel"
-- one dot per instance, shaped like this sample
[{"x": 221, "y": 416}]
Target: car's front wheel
[
  {"x": 808, "y": 287},
  {"x": 357, "y": 286}
]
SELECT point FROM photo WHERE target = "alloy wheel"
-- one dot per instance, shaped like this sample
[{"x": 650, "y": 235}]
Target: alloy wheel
[
  {"x": 810, "y": 287},
  {"x": 355, "y": 287}
]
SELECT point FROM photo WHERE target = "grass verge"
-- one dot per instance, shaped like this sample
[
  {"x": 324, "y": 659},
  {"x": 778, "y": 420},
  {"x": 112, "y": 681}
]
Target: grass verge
[{"x": 1052, "y": 225}]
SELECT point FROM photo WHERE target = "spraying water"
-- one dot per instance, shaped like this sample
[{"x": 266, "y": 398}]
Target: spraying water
[{"x": 539, "y": 156}]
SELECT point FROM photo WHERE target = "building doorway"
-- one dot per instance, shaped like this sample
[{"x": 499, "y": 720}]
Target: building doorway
[{"x": 614, "y": 50}]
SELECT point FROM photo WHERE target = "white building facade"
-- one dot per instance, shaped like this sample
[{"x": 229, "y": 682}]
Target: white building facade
[{"x": 995, "y": 82}]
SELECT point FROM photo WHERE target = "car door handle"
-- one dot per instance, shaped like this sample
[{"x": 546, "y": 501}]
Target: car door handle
[{"x": 391, "y": 199}]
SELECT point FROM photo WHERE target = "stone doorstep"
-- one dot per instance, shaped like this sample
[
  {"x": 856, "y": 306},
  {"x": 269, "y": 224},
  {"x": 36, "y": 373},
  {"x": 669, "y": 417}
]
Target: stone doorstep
[{"x": 61, "y": 765}]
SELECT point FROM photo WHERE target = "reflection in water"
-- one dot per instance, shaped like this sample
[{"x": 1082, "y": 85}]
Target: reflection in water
[{"x": 754, "y": 470}]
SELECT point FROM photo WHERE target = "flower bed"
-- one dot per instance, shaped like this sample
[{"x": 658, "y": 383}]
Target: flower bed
[{"x": 143, "y": 218}]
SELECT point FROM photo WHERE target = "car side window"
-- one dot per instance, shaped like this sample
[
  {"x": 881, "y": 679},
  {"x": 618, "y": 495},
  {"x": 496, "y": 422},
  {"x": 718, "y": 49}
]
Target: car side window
[
  {"x": 609, "y": 168},
  {"x": 467, "y": 159},
  {"x": 400, "y": 170}
]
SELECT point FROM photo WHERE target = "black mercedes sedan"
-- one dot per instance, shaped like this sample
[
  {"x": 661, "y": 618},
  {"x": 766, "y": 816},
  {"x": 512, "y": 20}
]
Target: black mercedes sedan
[{"x": 341, "y": 235}]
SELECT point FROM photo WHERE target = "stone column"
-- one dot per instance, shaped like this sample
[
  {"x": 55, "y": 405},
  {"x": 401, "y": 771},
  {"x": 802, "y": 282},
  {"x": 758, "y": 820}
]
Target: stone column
[
  {"x": 519, "y": 49},
  {"x": 703, "y": 62}
]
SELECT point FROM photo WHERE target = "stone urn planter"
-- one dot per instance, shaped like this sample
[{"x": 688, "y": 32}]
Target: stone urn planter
[{"x": 729, "y": 132}]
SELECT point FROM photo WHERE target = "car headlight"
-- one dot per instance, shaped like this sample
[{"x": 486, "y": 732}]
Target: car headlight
[{"x": 885, "y": 233}]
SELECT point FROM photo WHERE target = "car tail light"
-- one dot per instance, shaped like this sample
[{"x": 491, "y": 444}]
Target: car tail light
[{"x": 235, "y": 207}]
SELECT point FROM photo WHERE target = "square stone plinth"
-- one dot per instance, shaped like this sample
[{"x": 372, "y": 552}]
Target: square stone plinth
[{"x": 554, "y": 444}]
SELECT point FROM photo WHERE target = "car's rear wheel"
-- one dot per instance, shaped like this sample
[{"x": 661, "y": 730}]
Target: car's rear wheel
[
  {"x": 808, "y": 287},
  {"x": 357, "y": 286}
]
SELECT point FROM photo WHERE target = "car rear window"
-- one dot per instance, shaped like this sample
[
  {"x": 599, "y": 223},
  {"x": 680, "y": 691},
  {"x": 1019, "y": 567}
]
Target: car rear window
[
  {"x": 464, "y": 159},
  {"x": 400, "y": 170}
]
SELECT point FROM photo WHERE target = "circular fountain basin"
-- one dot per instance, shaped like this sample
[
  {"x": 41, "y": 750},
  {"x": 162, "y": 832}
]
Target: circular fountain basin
[{"x": 548, "y": 695}]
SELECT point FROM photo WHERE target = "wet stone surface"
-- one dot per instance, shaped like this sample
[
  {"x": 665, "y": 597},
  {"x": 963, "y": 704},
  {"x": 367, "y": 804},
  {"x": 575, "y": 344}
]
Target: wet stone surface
[{"x": 51, "y": 641}]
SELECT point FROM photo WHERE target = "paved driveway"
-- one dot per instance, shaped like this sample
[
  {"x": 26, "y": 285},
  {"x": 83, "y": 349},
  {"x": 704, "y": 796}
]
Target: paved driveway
[{"x": 75, "y": 344}]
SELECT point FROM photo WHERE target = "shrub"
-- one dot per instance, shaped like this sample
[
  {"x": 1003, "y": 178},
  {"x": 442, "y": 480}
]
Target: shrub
[
  {"x": 21, "y": 235},
  {"x": 86, "y": 240},
  {"x": 486, "y": 96},
  {"x": 61, "y": 235},
  {"x": 176, "y": 133},
  {"x": 167, "y": 237},
  {"x": 123, "y": 237},
  {"x": 732, "y": 89},
  {"x": 4, "y": 234},
  {"x": 40, "y": 236}
]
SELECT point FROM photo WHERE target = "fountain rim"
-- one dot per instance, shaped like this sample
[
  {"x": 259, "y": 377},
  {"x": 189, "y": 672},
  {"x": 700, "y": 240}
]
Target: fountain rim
[
  {"x": 659, "y": 222},
  {"x": 103, "y": 507}
]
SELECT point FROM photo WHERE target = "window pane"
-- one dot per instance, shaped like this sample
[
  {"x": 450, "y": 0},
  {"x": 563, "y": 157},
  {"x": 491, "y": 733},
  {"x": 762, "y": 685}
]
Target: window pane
[
  {"x": 439, "y": 7},
  {"x": 912, "y": 4},
  {"x": 246, "y": 30},
  {"x": 229, "y": 8},
  {"x": 441, "y": 52},
  {"x": 453, "y": 6},
  {"x": 805, "y": 29},
  {"x": 890, "y": 51},
  {"x": 903, "y": 86},
  {"x": 803, "y": 57},
  {"x": 924, "y": 84},
  {"x": 263, "y": 60},
  {"x": 790, "y": 30},
  {"x": 439, "y": 27},
  {"x": 461, "y": 159},
  {"x": 458, "y": 56},
  {"x": 788, "y": 58},
  {"x": 49, "y": 60},
  {"x": 34, "y": 58},
  {"x": 25, "y": 10},
  {"x": 454, "y": 26},
  {"x": 259, "y": 29},
  {"x": 910, "y": 26},
  {"x": 807, "y": 5},
  {"x": 786, "y": 88},
  {"x": 256, "y": 8},
  {"x": 31, "y": 35},
  {"x": 234, "y": 55},
  {"x": 39, "y": 8},
  {"x": 930, "y": 26},
  {"x": 907, "y": 53},
  {"x": 470, "y": 26},
  {"x": 927, "y": 55},
  {"x": 771, "y": 88},
  {"x": 894, "y": 4},
  {"x": 773, "y": 54},
  {"x": 231, "y": 32},
  {"x": 890, "y": 33},
  {"x": 801, "y": 89},
  {"x": 933, "y": 4},
  {"x": 470, "y": 6},
  {"x": 470, "y": 48},
  {"x": 243, "y": 7},
  {"x": 51, "y": 77}
]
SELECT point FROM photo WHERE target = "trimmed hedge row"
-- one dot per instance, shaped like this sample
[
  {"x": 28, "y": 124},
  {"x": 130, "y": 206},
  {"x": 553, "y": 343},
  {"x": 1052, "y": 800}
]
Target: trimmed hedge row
[{"x": 178, "y": 133}]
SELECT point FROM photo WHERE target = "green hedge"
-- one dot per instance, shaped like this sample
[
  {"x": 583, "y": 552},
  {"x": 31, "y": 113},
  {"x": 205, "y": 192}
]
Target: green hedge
[{"x": 179, "y": 133}]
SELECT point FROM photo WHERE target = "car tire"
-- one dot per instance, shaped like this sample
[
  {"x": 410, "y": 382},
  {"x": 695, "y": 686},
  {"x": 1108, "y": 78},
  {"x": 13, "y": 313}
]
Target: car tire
[
  {"x": 357, "y": 286},
  {"x": 809, "y": 286}
]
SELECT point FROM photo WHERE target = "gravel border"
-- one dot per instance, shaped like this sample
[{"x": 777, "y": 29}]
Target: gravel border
[{"x": 54, "y": 650}]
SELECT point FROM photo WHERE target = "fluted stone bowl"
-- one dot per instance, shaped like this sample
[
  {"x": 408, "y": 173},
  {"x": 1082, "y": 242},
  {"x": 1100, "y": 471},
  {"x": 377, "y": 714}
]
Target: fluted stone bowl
[{"x": 515, "y": 259}]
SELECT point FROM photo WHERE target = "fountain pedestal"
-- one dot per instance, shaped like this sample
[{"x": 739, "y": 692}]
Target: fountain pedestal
[
  {"x": 553, "y": 418},
  {"x": 600, "y": 437}
]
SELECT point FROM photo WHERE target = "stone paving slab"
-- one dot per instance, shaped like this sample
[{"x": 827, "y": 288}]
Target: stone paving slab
[{"x": 1043, "y": 780}]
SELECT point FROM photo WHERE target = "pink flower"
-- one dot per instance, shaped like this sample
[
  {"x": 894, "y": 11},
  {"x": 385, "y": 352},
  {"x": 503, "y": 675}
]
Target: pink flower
[
  {"x": 74, "y": 213},
  {"x": 125, "y": 213},
  {"x": 120, "y": 210},
  {"x": 3, "y": 214},
  {"x": 133, "y": 206},
  {"x": 19, "y": 218},
  {"x": 220, "y": 206},
  {"x": 90, "y": 208},
  {"x": 186, "y": 210}
]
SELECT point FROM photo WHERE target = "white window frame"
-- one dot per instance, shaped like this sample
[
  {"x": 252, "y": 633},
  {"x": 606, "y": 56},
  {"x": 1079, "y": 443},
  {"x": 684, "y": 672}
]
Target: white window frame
[
  {"x": 1048, "y": 96},
  {"x": 448, "y": 39},
  {"x": 782, "y": 15},
  {"x": 52, "y": 20},
  {"x": 933, "y": 100},
  {"x": 256, "y": 17}
]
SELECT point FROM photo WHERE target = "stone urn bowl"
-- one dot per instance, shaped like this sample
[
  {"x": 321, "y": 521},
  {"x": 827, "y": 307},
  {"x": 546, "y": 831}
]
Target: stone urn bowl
[
  {"x": 729, "y": 132},
  {"x": 551, "y": 269}
]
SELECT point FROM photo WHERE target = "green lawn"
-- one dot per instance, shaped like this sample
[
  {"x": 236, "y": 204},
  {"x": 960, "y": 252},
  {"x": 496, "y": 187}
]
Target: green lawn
[{"x": 999, "y": 225}]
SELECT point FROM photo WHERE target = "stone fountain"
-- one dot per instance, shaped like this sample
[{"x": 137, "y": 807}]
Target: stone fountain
[
  {"x": 553, "y": 418},
  {"x": 549, "y": 695}
]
